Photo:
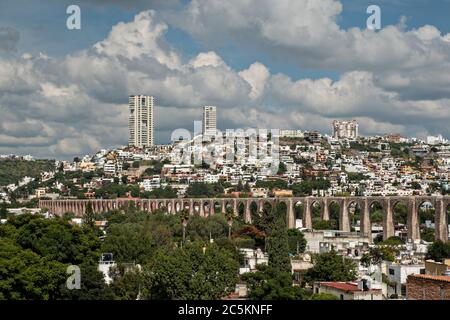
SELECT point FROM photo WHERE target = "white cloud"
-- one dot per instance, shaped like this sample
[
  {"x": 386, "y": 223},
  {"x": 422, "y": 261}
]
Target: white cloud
[{"x": 76, "y": 104}]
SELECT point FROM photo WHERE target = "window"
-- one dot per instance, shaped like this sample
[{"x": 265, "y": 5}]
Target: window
[
  {"x": 342, "y": 297},
  {"x": 403, "y": 290},
  {"x": 391, "y": 272}
]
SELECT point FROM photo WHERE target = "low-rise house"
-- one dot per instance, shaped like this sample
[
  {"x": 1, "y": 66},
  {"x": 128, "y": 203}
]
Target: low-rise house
[
  {"x": 428, "y": 287},
  {"x": 252, "y": 258},
  {"x": 397, "y": 274},
  {"x": 349, "y": 290}
]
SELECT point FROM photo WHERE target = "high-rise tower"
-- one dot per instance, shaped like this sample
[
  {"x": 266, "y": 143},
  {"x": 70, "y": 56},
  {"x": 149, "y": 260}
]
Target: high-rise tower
[
  {"x": 209, "y": 120},
  {"x": 141, "y": 122}
]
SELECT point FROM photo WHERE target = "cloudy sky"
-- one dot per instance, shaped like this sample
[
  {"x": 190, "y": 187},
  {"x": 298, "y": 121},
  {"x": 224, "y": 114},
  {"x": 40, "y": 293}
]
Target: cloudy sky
[{"x": 263, "y": 63}]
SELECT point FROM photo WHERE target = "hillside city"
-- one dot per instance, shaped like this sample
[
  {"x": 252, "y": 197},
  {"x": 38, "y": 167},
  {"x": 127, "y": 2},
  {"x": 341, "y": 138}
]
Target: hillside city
[{"x": 259, "y": 260}]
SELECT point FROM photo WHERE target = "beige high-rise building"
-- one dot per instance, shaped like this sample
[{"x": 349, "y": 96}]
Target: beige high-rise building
[
  {"x": 209, "y": 120},
  {"x": 345, "y": 129},
  {"x": 141, "y": 121}
]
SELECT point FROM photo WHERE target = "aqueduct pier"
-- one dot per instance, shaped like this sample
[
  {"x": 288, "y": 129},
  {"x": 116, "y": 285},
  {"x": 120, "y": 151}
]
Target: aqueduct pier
[{"x": 210, "y": 206}]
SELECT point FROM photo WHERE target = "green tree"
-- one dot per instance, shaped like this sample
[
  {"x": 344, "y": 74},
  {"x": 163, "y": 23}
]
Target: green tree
[
  {"x": 281, "y": 168},
  {"x": 438, "y": 251},
  {"x": 3, "y": 210},
  {"x": 93, "y": 286},
  {"x": 89, "y": 216},
  {"x": 278, "y": 246},
  {"x": 427, "y": 234},
  {"x": 190, "y": 273},
  {"x": 330, "y": 266},
  {"x": 296, "y": 240},
  {"x": 24, "y": 275},
  {"x": 126, "y": 282},
  {"x": 269, "y": 283},
  {"x": 129, "y": 242},
  {"x": 378, "y": 254},
  {"x": 57, "y": 240}
]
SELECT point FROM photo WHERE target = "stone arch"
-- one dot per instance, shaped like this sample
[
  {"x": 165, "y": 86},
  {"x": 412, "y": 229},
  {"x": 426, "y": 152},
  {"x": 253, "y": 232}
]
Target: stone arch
[
  {"x": 400, "y": 209},
  {"x": 298, "y": 208},
  {"x": 376, "y": 209},
  {"x": 229, "y": 206},
  {"x": 254, "y": 210},
  {"x": 282, "y": 208},
  {"x": 315, "y": 209},
  {"x": 355, "y": 214},
  {"x": 217, "y": 207},
  {"x": 427, "y": 210},
  {"x": 267, "y": 206},
  {"x": 241, "y": 210},
  {"x": 178, "y": 206},
  {"x": 170, "y": 208},
  {"x": 335, "y": 208},
  {"x": 186, "y": 206},
  {"x": 206, "y": 206},
  {"x": 196, "y": 207}
]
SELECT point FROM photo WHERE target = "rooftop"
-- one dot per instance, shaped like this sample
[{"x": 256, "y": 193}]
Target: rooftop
[
  {"x": 430, "y": 277},
  {"x": 344, "y": 286}
]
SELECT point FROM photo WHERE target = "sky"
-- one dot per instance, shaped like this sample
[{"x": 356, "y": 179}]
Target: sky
[{"x": 287, "y": 64}]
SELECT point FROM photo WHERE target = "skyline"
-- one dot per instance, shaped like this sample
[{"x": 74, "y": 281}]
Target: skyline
[{"x": 72, "y": 99}]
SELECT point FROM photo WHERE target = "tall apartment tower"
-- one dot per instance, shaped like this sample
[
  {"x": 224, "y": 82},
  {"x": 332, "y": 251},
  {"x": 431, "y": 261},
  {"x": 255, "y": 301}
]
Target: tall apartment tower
[
  {"x": 209, "y": 120},
  {"x": 345, "y": 129},
  {"x": 141, "y": 121}
]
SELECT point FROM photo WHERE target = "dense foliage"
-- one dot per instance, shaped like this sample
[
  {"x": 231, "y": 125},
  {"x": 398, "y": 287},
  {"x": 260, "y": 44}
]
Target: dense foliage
[
  {"x": 330, "y": 266},
  {"x": 13, "y": 170}
]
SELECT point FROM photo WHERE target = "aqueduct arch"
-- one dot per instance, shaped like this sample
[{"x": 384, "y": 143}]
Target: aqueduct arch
[{"x": 210, "y": 206}]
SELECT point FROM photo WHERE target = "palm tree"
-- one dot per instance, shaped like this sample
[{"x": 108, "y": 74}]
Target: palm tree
[
  {"x": 184, "y": 222},
  {"x": 229, "y": 216}
]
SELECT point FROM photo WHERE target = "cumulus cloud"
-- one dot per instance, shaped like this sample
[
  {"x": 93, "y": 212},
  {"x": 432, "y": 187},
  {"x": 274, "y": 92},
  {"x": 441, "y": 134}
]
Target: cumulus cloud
[{"x": 76, "y": 104}]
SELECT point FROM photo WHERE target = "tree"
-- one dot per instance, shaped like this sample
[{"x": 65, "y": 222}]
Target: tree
[
  {"x": 126, "y": 282},
  {"x": 93, "y": 286},
  {"x": 269, "y": 283},
  {"x": 89, "y": 216},
  {"x": 34, "y": 256},
  {"x": 129, "y": 242},
  {"x": 392, "y": 241},
  {"x": 330, "y": 266},
  {"x": 380, "y": 253},
  {"x": 3, "y": 210},
  {"x": 438, "y": 251},
  {"x": 190, "y": 273},
  {"x": 296, "y": 240},
  {"x": 136, "y": 164},
  {"x": 278, "y": 246},
  {"x": 26, "y": 275},
  {"x": 427, "y": 235},
  {"x": 57, "y": 240},
  {"x": 281, "y": 168}
]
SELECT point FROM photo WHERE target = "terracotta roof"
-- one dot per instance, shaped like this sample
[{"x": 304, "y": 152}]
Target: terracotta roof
[
  {"x": 431, "y": 277},
  {"x": 344, "y": 286}
]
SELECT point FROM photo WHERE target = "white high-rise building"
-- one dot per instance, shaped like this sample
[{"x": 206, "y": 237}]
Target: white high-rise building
[
  {"x": 345, "y": 129},
  {"x": 439, "y": 139},
  {"x": 140, "y": 124},
  {"x": 209, "y": 120}
]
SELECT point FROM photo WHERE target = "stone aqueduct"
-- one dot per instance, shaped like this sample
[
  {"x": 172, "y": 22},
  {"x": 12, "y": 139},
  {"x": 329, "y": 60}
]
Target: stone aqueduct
[{"x": 208, "y": 206}]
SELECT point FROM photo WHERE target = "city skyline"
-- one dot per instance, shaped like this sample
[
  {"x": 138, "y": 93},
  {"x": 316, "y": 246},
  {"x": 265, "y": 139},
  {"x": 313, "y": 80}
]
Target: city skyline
[{"x": 68, "y": 97}]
